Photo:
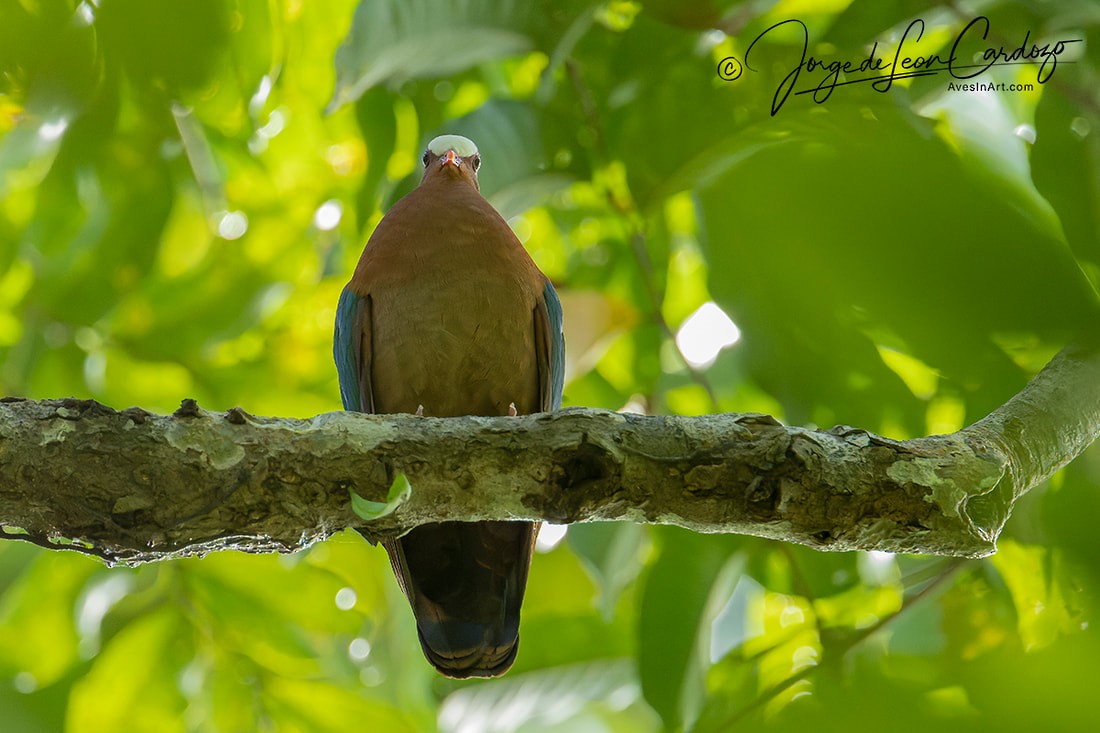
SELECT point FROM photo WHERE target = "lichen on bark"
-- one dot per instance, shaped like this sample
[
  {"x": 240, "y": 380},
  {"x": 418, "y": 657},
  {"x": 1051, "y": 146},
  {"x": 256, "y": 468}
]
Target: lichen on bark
[{"x": 131, "y": 486}]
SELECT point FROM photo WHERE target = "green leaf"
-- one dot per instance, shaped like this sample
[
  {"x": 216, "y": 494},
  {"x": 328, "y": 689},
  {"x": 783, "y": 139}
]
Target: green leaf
[
  {"x": 317, "y": 707},
  {"x": 1042, "y": 615},
  {"x": 395, "y": 40},
  {"x": 163, "y": 44},
  {"x": 45, "y": 46},
  {"x": 560, "y": 697},
  {"x": 38, "y": 712},
  {"x": 871, "y": 276},
  {"x": 375, "y": 113},
  {"x": 399, "y": 493},
  {"x": 38, "y": 635},
  {"x": 685, "y": 589},
  {"x": 1064, "y": 161},
  {"x": 132, "y": 683},
  {"x": 258, "y": 584},
  {"x": 613, "y": 553}
]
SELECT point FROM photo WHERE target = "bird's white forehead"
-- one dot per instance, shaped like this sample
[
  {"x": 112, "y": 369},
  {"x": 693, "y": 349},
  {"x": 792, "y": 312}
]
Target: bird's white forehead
[{"x": 464, "y": 146}]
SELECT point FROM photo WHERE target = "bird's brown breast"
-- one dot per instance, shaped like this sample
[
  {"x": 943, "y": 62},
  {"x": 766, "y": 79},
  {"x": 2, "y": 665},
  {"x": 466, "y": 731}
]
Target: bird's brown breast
[{"x": 452, "y": 296}]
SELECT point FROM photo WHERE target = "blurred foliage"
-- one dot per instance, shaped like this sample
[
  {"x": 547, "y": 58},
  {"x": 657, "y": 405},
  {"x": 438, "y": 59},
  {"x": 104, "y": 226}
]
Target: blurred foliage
[{"x": 185, "y": 187}]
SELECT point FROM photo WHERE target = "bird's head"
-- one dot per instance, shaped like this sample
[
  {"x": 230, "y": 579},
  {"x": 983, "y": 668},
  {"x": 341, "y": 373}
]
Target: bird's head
[{"x": 452, "y": 156}]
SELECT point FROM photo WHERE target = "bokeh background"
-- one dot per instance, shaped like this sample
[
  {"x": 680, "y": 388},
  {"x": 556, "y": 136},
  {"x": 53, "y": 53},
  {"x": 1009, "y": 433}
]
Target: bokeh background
[{"x": 186, "y": 186}]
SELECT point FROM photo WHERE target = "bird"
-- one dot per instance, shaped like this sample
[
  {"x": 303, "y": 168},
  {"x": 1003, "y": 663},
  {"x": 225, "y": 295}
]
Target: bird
[{"x": 446, "y": 314}]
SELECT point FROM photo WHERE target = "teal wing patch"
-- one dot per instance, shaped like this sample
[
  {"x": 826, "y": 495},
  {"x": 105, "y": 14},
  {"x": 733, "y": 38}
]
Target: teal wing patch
[
  {"x": 350, "y": 349},
  {"x": 550, "y": 345}
]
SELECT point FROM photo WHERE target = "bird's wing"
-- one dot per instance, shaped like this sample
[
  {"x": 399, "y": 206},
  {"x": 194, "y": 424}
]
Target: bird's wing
[
  {"x": 351, "y": 348},
  {"x": 549, "y": 348}
]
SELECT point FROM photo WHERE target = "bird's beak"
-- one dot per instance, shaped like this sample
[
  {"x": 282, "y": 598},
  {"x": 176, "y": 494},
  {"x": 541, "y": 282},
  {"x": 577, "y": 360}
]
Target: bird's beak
[{"x": 451, "y": 158}]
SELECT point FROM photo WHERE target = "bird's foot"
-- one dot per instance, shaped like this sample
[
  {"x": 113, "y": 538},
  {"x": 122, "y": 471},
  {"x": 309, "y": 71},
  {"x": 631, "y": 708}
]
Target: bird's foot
[
  {"x": 420, "y": 410},
  {"x": 512, "y": 411}
]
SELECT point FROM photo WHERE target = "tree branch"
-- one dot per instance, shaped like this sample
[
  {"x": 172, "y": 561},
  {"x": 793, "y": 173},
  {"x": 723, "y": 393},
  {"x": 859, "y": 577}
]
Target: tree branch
[{"x": 134, "y": 487}]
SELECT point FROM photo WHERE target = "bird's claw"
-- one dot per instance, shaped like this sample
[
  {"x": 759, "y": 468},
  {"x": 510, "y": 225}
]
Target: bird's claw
[{"x": 420, "y": 410}]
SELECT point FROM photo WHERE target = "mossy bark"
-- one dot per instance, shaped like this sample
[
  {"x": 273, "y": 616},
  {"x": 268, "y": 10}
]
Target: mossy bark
[{"x": 130, "y": 486}]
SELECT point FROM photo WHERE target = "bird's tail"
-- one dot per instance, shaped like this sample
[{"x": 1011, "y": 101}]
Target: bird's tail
[{"x": 465, "y": 583}]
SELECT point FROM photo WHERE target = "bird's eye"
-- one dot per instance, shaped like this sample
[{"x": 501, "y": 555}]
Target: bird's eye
[
  {"x": 425, "y": 159},
  {"x": 477, "y": 162}
]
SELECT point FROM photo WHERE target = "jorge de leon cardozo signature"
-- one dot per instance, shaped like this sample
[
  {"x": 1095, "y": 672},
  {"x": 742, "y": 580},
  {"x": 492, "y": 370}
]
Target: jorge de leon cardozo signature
[{"x": 904, "y": 66}]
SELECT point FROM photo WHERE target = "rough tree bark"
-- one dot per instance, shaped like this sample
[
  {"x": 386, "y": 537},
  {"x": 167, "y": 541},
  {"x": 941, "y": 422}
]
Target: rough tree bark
[{"x": 129, "y": 486}]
